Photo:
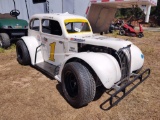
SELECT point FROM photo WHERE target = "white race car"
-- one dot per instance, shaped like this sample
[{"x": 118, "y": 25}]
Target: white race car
[{"x": 64, "y": 47}]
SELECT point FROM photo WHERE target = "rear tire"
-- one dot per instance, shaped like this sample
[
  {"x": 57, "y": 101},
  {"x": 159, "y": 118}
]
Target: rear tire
[
  {"x": 110, "y": 31},
  {"x": 23, "y": 56},
  {"x": 78, "y": 84},
  {"x": 4, "y": 40},
  {"x": 122, "y": 32}
]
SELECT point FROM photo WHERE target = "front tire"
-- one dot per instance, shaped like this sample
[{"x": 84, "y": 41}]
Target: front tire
[
  {"x": 140, "y": 35},
  {"x": 23, "y": 56},
  {"x": 4, "y": 40},
  {"x": 78, "y": 84},
  {"x": 122, "y": 32}
]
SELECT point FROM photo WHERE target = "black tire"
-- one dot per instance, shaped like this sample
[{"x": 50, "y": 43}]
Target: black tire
[
  {"x": 4, "y": 40},
  {"x": 23, "y": 56},
  {"x": 122, "y": 32},
  {"x": 111, "y": 28},
  {"x": 140, "y": 35},
  {"x": 110, "y": 31},
  {"x": 78, "y": 84}
]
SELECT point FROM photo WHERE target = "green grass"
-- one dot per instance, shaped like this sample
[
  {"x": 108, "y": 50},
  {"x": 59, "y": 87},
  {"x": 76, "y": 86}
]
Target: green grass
[
  {"x": 114, "y": 34},
  {"x": 1, "y": 50},
  {"x": 11, "y": 48}
]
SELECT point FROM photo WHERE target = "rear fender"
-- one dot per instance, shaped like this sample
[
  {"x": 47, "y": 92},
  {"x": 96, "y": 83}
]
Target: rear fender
[
  {"x": 105, "y": 66},
  {"x": 32, "y": 43}
]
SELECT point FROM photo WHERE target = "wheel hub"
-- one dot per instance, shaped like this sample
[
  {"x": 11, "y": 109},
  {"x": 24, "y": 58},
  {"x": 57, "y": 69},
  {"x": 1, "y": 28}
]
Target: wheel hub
[
  {"x": 71, "y": 85},
  {"x": 19, "y": 53},
  {"x": 1, "y": 43}
]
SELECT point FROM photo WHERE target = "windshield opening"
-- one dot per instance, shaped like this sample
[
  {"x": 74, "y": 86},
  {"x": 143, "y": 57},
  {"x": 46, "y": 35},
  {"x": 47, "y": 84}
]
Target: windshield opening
[{"x": 77, "y": 26}]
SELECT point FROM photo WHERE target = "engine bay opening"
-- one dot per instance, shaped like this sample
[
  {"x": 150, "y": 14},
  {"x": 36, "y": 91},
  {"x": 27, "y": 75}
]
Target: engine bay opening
[{"x": 101, "y": 49}]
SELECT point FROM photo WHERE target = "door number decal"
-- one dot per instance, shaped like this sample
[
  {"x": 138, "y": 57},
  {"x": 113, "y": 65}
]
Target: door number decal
[{"x": 52, "y": 51}]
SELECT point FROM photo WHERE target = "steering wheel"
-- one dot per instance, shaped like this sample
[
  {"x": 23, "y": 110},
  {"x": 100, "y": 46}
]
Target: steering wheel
[{"x": 14, "y": 13}]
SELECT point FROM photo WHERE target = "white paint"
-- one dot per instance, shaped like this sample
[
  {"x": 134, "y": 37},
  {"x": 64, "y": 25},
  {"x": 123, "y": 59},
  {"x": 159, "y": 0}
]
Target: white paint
[
  {"x": 136, "y": 58},
  {"x": 104, "y": 65},
  {"x": 32, "y": 49}
]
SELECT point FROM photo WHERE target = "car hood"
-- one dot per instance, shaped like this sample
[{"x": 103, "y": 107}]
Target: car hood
[
  {"x": 115, "y": 43},
  {"x": 13, "y": 23}
]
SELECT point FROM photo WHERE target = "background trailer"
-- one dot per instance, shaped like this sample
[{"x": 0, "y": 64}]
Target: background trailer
[{"x": 100, "y": 13}]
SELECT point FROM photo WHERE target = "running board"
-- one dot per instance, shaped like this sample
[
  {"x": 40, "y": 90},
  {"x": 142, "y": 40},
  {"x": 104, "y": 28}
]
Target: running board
[{"x": 47, "y": 68}]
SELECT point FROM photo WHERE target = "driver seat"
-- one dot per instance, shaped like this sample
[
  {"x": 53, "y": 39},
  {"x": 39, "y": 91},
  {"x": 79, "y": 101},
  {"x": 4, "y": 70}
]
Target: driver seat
[{"x": 6, "y": 15}]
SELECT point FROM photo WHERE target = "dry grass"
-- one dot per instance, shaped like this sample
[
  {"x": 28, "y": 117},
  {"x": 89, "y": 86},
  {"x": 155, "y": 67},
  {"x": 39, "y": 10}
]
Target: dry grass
[{"x": 27, "y": 94}]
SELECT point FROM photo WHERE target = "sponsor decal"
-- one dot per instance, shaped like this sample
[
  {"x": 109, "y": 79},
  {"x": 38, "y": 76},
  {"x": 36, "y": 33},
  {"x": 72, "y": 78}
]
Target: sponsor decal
[
  {"x": 44, "y": 41},
  {"x": 77, "y": 40},
  {"x": 72, "y": 49},
  {"x": 142, "y": 56},
  {"x": 38, "y": 37},
  {"x": 60, "y": 42}
]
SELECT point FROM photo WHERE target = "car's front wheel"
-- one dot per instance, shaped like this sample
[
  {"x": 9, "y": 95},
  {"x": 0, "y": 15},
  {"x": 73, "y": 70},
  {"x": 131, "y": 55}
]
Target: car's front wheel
[
  {"x": 4, "y": 40},
  {"x": 78, "y": 84},
  {"x": 23, "y": 56}
]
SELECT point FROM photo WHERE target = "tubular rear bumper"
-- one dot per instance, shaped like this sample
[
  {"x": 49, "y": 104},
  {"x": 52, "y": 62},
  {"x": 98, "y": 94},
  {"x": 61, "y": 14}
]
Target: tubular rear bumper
[{"x": 141, "y": 77}]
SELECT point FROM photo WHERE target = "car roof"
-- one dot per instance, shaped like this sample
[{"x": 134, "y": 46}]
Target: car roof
[{"x": 61, "y": 16}]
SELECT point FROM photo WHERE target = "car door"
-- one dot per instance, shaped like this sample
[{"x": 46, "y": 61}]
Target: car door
[
  {"x": 52, "y": 42},
  {"x": 34, "y": 28}
]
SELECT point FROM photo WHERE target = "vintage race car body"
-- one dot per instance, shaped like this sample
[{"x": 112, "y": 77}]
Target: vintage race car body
[
  {"x": 55, "y": 41},
  {"x": 72, "y": 43}
]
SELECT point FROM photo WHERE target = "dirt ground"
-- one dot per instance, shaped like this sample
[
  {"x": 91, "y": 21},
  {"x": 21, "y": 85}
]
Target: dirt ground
[{"x": 27, "y": 94}]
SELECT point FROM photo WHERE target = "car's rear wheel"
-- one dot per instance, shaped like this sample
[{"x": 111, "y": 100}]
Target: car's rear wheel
[
  {"x": 23, "y": 56},
  {"x": 4, "y": 40},
  {"x": 122, "y": 32},
  {"x": 78, "y": 84}
]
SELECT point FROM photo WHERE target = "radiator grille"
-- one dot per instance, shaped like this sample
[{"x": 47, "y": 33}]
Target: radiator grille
[{"x": 124, "y": 55}]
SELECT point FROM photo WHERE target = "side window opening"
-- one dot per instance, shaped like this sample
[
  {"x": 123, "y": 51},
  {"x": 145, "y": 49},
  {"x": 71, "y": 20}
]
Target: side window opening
[
  {"x": 45, "y": 26},
  {"x": 51, "y": 27},
  {"x": 34, "y": 24}
]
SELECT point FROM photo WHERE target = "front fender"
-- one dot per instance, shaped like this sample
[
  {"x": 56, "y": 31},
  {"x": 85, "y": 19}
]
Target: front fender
[
  {"x": 137, "y": 58},
  {"x": 105, "y": 66},
  {"x": 32, "y": 43}
]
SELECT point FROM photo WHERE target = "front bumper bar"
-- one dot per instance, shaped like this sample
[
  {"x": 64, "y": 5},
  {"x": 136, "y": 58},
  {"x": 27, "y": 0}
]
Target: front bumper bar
[{"x": 141, "y": 77}]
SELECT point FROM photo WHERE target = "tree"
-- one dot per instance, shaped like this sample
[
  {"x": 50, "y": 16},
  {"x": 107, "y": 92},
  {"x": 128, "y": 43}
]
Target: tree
[
  {"x": 127, "y": 12},
  {"x": 158, "y": 12},
  {"x": 155, "y": 12}
]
